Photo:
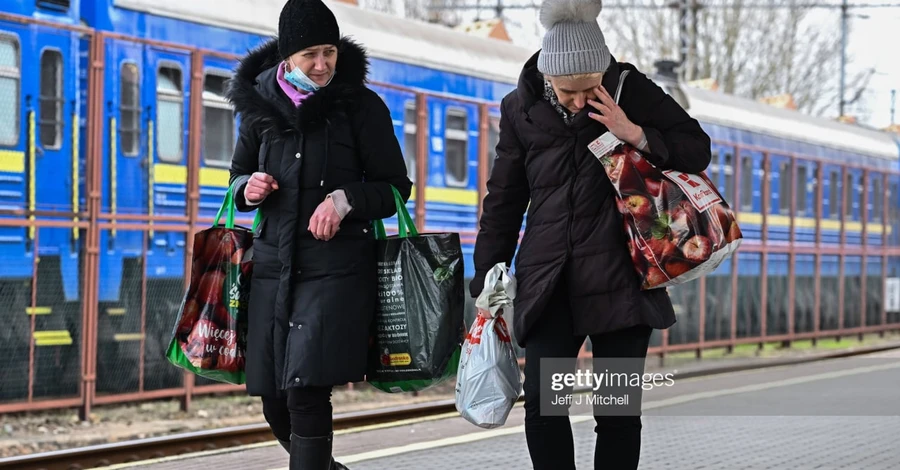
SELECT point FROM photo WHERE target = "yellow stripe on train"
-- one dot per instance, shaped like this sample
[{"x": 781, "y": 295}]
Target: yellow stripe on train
[
  {"x": 12, "y": 161},
  {"x": 755, "y": 218}
]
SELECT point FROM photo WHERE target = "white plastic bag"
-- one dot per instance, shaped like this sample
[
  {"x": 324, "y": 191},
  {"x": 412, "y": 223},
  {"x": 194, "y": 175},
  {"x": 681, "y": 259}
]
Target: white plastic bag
[{"x": 488, "y": 382}]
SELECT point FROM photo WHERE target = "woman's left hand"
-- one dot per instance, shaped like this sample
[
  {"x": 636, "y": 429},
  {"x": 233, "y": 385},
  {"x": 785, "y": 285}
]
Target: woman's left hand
[
  {"x": 614, "y": 118},
  {"x": 325, "y": 221}
]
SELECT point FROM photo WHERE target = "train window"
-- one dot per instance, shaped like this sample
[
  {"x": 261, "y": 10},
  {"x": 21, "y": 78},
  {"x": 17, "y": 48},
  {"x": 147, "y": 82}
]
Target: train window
[
  {"x": 877, "y": 197},
  {"x": 10, "y": 75},
  {"x": 51, "y": 99},
  {"x": 802, "y": 186},
  {"x": 218, "y": 121},
  {"x": 747, "y": 184},
  {"x": 834, "y": 191},
  {"x": 848, "y": 196},
  {"x": 784, "y": 187},
  {"x": 728, "y": 160},
  {"x": 493, "y": 140},
  {"x": 712, "y": 171},
  {"x": 130, "y": 110},
  {"x": 456, "y": 161},
  {"x": 410, "y": 137},
  {"x": 170, "y": 115}
]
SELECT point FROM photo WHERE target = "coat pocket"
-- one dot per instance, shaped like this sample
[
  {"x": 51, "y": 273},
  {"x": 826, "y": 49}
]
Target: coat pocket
[{"x": 305, "y": 340}]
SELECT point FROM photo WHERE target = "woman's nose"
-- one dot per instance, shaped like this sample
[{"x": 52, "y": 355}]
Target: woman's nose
[
  {"x": 580, "y": 101},
  {"x": 320, "y": 63}
]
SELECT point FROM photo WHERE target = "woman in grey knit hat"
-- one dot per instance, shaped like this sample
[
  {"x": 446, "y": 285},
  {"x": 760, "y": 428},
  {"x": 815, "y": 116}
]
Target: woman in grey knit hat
[{"x": 574, "y": 272}]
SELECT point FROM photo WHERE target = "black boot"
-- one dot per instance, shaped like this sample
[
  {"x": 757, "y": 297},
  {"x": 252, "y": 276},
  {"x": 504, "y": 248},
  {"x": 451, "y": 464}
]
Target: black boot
[{"x": 311, "y": 453}]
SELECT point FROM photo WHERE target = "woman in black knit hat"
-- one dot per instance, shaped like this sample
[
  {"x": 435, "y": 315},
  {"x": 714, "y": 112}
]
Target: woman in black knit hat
[{"x": 318, "y": 156}]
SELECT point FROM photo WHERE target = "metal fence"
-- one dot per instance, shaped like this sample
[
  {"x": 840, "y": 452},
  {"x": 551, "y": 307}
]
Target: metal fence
[{"x": 86, "y": 352}]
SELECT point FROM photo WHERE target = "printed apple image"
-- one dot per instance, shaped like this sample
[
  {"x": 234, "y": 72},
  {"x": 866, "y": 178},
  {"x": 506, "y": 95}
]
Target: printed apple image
[
  {"x": 676, "y": 267},
  {"x": 654, "y": 186},
  {"x": 630, "y": 181},
  {"x": 211, "y": 286},
  {"x": 697, "y": 249},
  {"x": 639, "y": 206},
  {"x": 218, "y": 246},
  {"x": 655, "y": 277},
  {"x": 189, "y": 316},
  {"x": 641, "y": 164}
]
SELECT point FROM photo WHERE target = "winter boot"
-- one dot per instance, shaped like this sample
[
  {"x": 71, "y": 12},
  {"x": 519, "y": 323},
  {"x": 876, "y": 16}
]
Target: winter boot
[{"x": 311, "y": 453}]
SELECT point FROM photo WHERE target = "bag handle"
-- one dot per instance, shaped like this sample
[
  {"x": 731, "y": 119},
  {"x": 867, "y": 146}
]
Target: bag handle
[
  {"x": 621, "y": 82},
  {"x": 228, "y": 203},
  {"x": 404, "y": 221}
]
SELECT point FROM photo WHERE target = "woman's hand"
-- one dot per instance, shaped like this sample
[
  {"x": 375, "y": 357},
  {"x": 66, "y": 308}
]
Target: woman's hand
[
  {"x": 258, "y": 187},
  {"x": 325, "y": 221},
  {"x": 614, "y": 118}
]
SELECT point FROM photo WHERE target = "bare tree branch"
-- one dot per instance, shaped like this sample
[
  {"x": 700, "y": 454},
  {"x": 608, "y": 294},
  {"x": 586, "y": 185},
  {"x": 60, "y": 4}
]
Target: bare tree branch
[{"x": 750, "y": 52}]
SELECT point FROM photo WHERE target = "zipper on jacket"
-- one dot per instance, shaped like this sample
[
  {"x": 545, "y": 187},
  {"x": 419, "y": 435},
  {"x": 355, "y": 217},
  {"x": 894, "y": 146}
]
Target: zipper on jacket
[{"x": 571, "y": 201}]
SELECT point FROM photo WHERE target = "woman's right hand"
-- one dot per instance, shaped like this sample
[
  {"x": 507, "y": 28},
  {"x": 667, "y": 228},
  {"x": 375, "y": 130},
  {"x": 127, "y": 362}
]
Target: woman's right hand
[
  {"x": 487, "y": 313},
  {"x": 259, "y": 186}
]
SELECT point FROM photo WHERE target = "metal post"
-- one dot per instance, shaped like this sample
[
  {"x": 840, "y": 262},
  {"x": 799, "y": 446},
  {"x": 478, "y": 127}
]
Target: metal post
[{"x": 843, "y": 54}]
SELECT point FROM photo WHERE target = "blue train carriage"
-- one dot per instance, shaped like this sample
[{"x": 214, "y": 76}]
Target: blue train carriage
[
  {"x": 147, "y": 129},
  {"x": 148, "y": 91},
  {"x": 742, "y": 131},
  {"x": 41, "y": 173}
]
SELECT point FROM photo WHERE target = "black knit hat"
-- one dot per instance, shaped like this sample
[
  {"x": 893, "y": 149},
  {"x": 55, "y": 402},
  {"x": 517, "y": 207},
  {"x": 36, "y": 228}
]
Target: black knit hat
[{"x": 305, "y": 23}]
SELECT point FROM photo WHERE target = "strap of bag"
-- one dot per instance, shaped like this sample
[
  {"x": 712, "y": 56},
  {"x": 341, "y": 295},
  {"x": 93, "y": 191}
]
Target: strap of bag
[
  {"x": 621, "y": 81},
  {"x": 404, "y": 221}
]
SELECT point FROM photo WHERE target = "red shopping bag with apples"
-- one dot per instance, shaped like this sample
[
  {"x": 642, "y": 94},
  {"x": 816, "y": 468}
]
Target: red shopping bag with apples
[
  {"x": 677, "y": 225},
  {"x": 209, "y": 338}
]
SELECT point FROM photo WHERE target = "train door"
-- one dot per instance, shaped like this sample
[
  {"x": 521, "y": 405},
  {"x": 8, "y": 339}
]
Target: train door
[
  {"x": 124, "y": 188},
  {"x": 15, "y": 338},
  {"x": 167, "y": 79},
  {"x": 167, "y": 90},
  {"x": 48, "y": 92}
]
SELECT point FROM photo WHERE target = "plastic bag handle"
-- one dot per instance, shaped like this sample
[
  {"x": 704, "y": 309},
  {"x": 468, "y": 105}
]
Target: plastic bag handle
[
  {"x": 228, "y": 203},
  {"x": 404, "y": 221}
]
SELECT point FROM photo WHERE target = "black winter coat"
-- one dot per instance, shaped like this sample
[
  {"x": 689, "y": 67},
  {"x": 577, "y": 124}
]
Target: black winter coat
[
  {"x": 574, "y": 230},
  {"x": 312, "y": 303}
]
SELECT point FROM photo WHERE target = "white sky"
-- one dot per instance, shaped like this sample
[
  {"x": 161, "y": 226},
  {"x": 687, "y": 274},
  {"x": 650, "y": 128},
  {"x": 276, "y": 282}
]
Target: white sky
[{"x": 872, "y": 43}]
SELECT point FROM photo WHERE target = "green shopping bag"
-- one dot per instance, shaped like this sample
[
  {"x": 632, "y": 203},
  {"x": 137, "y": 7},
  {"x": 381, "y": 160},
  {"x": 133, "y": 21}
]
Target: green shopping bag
[
  {"x": 419, "y": 325},
  {"x": 209, "y": 338}
]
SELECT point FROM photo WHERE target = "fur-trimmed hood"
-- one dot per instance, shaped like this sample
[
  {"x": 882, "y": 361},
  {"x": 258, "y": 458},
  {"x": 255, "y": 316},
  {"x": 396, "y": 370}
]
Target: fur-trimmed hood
[{"x": 257, "y": 97}]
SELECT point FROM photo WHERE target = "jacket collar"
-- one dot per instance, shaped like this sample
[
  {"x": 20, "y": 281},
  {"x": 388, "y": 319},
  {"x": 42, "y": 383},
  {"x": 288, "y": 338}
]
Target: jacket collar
[{"x": 256, "y": 96}]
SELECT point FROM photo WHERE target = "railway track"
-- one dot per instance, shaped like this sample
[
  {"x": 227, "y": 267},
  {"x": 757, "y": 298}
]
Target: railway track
[
  {"x": 178, "y": 444},
  {"x": 103, "y": 455}
]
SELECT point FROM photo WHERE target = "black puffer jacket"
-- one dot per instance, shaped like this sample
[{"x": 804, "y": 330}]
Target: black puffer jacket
[
  {"x": 574, "y": 230},
  {"x": 312, "y": 302}
]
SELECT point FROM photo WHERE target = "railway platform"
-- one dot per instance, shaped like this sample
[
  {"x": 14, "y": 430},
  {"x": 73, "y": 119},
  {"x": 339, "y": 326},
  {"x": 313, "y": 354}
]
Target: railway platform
[{"x": 835, "y": 414}]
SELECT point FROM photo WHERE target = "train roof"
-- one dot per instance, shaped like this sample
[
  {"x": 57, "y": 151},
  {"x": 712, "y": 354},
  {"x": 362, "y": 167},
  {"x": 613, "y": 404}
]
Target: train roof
[
  {"x": 742, "y": 113},
  {"x": 394, "y": 38},
  {"x": 384, "y": 36}
]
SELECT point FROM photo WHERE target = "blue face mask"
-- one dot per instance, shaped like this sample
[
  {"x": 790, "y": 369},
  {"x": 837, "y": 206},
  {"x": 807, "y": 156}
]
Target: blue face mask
[{"x": 299, "y": 79}]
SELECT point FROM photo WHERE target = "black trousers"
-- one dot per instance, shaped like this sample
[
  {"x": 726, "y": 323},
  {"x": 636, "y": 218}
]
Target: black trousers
[
  {"x": 305, "y": 411},
  {"x": 549, "y": 438}
]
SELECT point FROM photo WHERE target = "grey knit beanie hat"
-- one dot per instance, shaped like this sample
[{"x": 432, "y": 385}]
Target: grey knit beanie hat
[{"x": 574, "y": 43}]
